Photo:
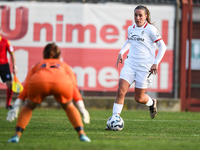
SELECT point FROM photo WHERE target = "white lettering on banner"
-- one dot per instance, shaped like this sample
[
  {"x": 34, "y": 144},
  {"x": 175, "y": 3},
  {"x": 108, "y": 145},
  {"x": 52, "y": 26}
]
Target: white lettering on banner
[
  {"x": 81, "y": 73},
  {"x": 108, "y": 33},
  {"x": 108, "y": 77}
]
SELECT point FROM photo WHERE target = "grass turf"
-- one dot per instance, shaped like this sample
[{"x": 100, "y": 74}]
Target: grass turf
[{"x": 49, "y": 129}]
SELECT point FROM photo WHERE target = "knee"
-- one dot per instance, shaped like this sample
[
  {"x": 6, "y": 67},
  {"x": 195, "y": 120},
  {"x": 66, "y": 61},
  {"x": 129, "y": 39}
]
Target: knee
[
  {"x": 138, "y": 98},
  {"x": 66, "y": 105},
  {"x": 31, "y": 105},
  {"x": 9, "y": 84},
  {"x": 121, "y": 92}
]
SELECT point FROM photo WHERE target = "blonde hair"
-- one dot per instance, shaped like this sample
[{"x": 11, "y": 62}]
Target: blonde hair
[
  {"x": 51, "y": 50},
  {"x": 147, "y": 12}
]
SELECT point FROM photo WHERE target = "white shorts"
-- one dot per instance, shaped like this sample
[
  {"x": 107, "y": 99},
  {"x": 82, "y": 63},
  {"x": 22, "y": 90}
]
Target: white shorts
[{"x": 142, "y": 79}]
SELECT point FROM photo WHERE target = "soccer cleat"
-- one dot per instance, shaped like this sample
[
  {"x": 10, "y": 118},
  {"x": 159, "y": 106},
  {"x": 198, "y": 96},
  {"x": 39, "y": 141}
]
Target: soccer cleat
[
  {"x": 84, "y": 138},
  {"x": 14, "y": 139},
  {"x": 9, "y": 107},
  {"x": 153, "y": 109}
]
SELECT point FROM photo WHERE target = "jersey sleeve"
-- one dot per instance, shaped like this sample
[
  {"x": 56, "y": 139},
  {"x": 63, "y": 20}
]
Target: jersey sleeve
[
  {"x": 161, "y": 51},
  {"x": 154, "y": 34},
  {"x": 125, "y": 47},
  {"x": 9, "y": 47}
]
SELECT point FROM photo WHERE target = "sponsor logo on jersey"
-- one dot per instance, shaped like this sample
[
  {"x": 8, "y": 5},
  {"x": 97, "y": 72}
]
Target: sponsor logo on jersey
[{"x": 135, "y": 38}]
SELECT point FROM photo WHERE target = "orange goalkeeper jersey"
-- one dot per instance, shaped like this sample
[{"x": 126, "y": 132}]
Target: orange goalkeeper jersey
[
  {"x": 23, "y": 95},
  {"x": 50, "y": 77}
]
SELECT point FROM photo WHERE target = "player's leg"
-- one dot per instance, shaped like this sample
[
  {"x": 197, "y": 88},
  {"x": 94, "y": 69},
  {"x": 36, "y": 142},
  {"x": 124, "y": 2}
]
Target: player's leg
[
  {"x": 7, "y": 78},
  {"x": 9, "y": 94},
  {"x": 63, "y": 93},
  {"x": 74, "y": 116},
  {"x": 25, "y": 115},
  {"x": 123, "y": 87},
  {"x": 143, "y": 98},
  {"x": 36, "y": 93},
  {"x": 23, "y": 120},
  {"x": 75, "y": 119},
  {"x": 127, "y": 77},
  {"x": 143, "y": 79},
  {"x": 140, "y": 96},
  {"x": 80, "y": 105}
]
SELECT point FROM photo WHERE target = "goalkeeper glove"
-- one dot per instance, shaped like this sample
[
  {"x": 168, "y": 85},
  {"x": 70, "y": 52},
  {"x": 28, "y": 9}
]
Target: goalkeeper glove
[{"x": 13, "y": 113}]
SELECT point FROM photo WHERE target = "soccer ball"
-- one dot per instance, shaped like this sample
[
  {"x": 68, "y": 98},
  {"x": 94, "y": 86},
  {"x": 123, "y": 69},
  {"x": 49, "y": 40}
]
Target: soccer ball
[{"x": 115, "y": 123}]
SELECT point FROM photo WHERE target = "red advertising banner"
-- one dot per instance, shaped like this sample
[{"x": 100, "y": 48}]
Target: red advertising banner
[
  {"x": 95, "y": 68},
  {"x": 89, "y": 35}
]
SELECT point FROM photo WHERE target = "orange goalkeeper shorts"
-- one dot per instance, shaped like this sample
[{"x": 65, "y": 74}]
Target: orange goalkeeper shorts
[{"x": 61, "y": 88}]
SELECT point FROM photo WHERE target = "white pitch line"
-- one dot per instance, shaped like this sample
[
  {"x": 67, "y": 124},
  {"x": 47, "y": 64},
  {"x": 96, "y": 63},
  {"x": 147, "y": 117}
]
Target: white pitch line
[{"x": 154, "y": 120}]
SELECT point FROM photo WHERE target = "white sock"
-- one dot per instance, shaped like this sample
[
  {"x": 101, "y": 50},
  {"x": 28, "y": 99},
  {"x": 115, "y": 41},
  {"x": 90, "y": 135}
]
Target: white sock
[
  {"x": 150, "y": 102},
  {"x": 117, "y": 108}
]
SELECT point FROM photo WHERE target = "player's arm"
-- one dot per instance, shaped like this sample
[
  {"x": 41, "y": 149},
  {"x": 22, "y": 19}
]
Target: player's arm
[
  {"x": 13, "y": 113},
  {"x": 155, "y": 36},
  {"x": 161, "y": 51},
  {"x": 79, "y": 100},
  {"x": 11, "y": 51},
  {"x": 80, "y": 105},
  {"x": 125, "y": 48}
]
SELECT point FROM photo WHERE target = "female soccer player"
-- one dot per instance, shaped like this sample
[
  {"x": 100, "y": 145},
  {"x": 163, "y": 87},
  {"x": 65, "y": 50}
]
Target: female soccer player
[
  {"x": 141, "y": 62},
  {"x": 13, "y": 113},
  {"x": 50, "y": 77}
]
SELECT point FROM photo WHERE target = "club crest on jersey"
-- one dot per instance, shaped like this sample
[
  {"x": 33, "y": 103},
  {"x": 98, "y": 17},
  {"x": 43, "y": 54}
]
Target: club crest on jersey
[
  {"x": 142, "y": 32},
  {"x": 7, "y": 76},
  {"x": 135, "y": 37}
]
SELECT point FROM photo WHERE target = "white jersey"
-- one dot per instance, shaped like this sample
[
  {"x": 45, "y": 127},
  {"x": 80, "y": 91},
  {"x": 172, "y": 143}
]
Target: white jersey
[{"x": 141, "y": 43}]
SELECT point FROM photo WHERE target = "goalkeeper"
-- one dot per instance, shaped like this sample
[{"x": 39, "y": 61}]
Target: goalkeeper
[
  {"x": 13, "y": 113},
  {"x": 41, "y": 83}
]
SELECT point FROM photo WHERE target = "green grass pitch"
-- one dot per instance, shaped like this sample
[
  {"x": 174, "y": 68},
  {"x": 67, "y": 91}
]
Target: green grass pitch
[{"x": 49, "y": 129}]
